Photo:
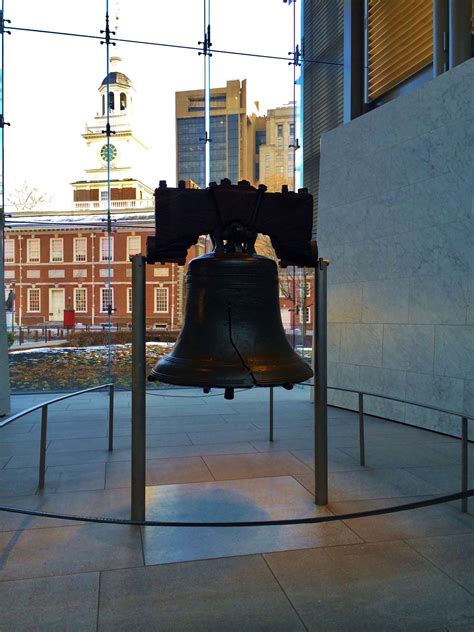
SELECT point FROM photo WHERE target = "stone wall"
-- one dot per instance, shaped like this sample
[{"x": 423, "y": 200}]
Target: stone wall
[{"x": 396, "y": 221}]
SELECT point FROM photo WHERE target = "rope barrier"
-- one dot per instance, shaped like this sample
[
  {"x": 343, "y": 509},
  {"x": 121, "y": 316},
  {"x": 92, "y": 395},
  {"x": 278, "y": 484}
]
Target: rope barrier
[{"x": 254, "y": 523}]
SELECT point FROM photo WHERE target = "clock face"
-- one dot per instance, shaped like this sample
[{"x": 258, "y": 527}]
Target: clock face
[{"x": 108, "y": 152}]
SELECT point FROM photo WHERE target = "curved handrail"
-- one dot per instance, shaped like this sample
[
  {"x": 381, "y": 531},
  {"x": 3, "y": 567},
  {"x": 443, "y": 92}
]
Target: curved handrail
[
  {"x": 8, "y": 421},
  {"x": 402, "y": 401}
]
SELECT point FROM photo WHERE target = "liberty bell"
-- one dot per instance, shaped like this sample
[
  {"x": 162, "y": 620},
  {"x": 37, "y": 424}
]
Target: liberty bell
[{"x": 232, "y": 336}]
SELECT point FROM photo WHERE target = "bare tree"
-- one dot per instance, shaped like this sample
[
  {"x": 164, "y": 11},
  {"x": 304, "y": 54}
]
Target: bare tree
[
  {"x": 27, "y": 197},
  {"x": 294, "y": 285}
]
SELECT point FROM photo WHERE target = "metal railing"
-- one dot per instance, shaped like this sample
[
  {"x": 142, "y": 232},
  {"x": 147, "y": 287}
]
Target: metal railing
[
  {"x": 44, "y": 423},
  {"x": 464, "y": 431}
]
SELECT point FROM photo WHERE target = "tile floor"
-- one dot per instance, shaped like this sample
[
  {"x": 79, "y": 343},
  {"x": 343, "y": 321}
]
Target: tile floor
[{"x": 209, "y": 459}]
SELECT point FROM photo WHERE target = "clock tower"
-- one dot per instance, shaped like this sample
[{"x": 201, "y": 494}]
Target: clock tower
[{"x": 125, "y": 152}]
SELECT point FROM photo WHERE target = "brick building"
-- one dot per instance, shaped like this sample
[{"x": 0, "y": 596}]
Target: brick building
[{"x": 55, "y": 267}]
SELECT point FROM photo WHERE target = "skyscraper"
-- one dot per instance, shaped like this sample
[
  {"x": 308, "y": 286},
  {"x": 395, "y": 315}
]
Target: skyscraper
[{"x": 232, "y": 135}]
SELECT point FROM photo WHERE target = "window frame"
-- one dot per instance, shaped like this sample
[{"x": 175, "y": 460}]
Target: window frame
[
  {"x": 109, "y": 301},
  {"x": 76, "y": 291},
  {"x": 30, "y": 290},
  {"x": 103, "y": 250},
  {"x": 129, "y": 299},
  {"x": 59, "y": 240},
  {"x": 10, "y": 243},
  {"x": 156, "y": 291},
  {"x": 129, "y": 238},
  {"x": 75, "y": 253},
  {"x": 29, "y": 243}
]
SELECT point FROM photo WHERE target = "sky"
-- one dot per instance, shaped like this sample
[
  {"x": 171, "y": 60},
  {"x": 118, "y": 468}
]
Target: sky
[{"x": 51, "y": 81}]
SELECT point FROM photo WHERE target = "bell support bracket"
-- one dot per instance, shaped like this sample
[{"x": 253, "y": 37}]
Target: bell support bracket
[{"x": 234, "y": 214}]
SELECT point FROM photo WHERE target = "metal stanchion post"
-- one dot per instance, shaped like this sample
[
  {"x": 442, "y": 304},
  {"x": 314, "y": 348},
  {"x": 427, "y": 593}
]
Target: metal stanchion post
[
  {"x": 44, "y": 431},
  {"x": 138, "y": 389},
  {"x": 111, "y": 417},
  {"x": 271, "y": 413},
  {"x": 464, "y": 465},
  {"x": 320, "y": 400},
  {"x": 361, "y": 429}
]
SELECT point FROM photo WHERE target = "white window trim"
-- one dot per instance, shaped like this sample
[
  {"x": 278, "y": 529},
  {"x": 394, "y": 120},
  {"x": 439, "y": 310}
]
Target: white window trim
[
  {"x": 103, "y": 249},
  {"x": 76, "y": 291},
  {"x": 30, "y": 290},
  {"x": 11, "y": 244},
  {"x": 75, "y": 253},
  {"x": 129, "y": 239},
  {"x": 29, "y": 243},
  {"x": 155, "y": 293},
  {"x": 61, "y": 241},
  {"x": 102, "y": 289}
]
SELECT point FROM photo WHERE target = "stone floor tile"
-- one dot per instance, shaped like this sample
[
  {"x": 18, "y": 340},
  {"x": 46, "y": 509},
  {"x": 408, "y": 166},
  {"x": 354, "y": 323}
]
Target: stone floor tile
[
  {"x": 106, "y": 503},
  {"x": 453, "y": 554},
  {"x": 239, "y": 593},
  {"x": 279, "y": 444},
  {"x": 50, "y": 603},
  {"x": 239, "y": 447},
  {"x": 240, "y": 466},
  {"x": 8, "y": 448},
  {"x": 250, "y": 499},
  {"x": 384, "y": 586},
  {"x": 226, "y": 436},
  {"x": 3, "y": 461},
  {"x": 160, "y": 472},
  {"x": 428, "y": 521},
  {"x": 367, "y": 484},
  {"x": 447, "y": 478},
  {"x": 338, "y": 461},
  {"x": 64, "y": 478},
  {"x": 390, "y": 455},
  {"x": 66, "y": 550},
  {"x": 18, "y": 482}
]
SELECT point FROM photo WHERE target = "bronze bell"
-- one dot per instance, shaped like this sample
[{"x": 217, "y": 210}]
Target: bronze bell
[{"x": 232, "y": 335}]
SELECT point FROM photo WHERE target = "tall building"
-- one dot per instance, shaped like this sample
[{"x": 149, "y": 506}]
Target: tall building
[
  {"x": 231, "y": 139},
  {"x": 277, "y": 148}
]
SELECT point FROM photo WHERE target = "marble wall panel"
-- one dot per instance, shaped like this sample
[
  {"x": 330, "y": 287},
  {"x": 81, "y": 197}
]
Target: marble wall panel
[
  {"x": 408, "y": 347},
  {"x": 468, "y": 399},
  {"x": 396, "y": 217},
  {"x": 361, "y": 344},
  {"x": 344, "y": 302},
  {"x": 385, "y": 301},
  {"x": 435, "y": 390},
  {"x": 411, "y": 162},
  {"x": 334, "y": 342},
  {"x": 439, "y": 299},
  {"x": 454, "y": 351}
]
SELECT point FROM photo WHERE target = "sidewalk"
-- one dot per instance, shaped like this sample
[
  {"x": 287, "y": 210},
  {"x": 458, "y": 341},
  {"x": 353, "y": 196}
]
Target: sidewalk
[{"x": 210, "y": 459}]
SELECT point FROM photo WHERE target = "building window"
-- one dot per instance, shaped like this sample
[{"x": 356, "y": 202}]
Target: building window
[
  {"x": 106, "y": 249},
  {"x": 292, "y": 134},
  {"x": 34, "y": 300},
  {"x": 106, "y": 299},
  {"x": 129, "y": 300},
  {"x": 111, "y": 101},
  {"x": 134, "y": 245},
  {"x": 161, "y": 300},
  {"x": 80, "y": 299},
  {"x": 280, "y": 135},
  {"x": 9, "y": 250},
  {"x": 104, "y": 196},
  {"x": 80, "y": 249},
  {"x": 33, "y": 250},
  {"x": 123, "y": 100},
  {"x": 56, "y": 254}
]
